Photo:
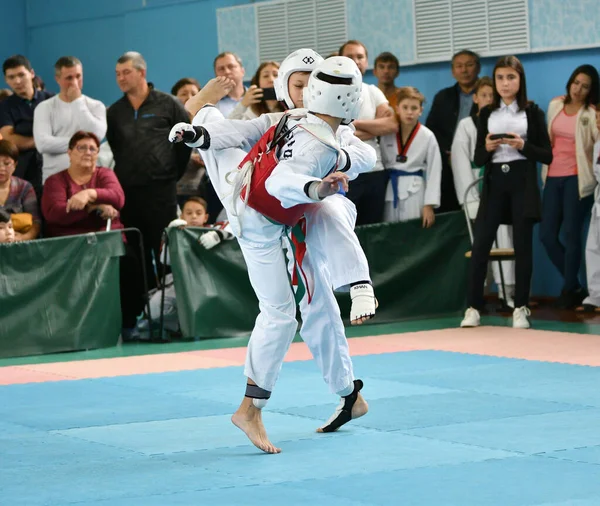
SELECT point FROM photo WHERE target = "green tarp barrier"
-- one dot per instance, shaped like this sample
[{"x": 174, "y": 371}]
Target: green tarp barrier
[
  {"x": 60, "y": 294},
  {"x": 416, "y": 272}
]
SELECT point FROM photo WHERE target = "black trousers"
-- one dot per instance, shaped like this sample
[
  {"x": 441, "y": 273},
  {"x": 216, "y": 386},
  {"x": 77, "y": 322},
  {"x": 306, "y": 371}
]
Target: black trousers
[
  {"x": 150, "y": 209},
  {"x": 506, "y": 195},
  {"x": 367, "y": 192},
  {"x": 448, "y": 199},
  {"x": 131, "y": 284},
  {"x": 208, "y": 193}
]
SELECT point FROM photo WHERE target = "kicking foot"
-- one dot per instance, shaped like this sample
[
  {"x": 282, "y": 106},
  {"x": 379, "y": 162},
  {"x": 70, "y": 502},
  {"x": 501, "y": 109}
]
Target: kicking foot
[
  {"x": 351, "y": 407},
  {"x": 364, "y": 303},
  {"x": 249, "y": 420}
]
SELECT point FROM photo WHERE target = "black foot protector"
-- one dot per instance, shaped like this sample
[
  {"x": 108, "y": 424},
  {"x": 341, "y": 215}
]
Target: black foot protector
[{"x": 343, "y": 413}]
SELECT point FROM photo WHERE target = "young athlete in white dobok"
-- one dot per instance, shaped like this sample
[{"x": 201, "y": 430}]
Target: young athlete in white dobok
[
  {"x": 330, "y": 224},
  {"x": 292, "y": 166}
]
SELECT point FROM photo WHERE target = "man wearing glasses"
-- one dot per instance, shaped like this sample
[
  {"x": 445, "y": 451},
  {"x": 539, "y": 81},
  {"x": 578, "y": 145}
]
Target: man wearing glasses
[{"x": 450, "y": 105}]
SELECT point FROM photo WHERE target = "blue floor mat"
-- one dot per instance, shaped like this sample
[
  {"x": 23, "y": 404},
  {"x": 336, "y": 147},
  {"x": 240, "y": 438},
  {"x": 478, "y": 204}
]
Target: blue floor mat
[{"x": 444, "y": 429}]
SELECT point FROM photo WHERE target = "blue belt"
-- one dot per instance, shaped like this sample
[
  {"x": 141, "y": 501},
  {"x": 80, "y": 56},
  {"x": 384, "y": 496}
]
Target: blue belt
[{"x": 397, "y": 173}]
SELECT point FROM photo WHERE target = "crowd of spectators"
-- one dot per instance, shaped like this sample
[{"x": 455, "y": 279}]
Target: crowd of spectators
[{"x": 70, "y": 164}]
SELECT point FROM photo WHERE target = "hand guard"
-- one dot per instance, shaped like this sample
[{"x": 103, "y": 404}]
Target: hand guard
[
  {"x": 184, "y": 132},
  {"x": 210, "y": 239}
]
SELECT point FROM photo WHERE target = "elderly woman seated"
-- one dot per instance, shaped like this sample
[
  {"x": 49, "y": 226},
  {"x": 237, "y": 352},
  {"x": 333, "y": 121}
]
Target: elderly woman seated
[
  {"x": 83, "y": 197},
  {"x": 17, "y": 196},
  {"x": 80, "y": 200}
]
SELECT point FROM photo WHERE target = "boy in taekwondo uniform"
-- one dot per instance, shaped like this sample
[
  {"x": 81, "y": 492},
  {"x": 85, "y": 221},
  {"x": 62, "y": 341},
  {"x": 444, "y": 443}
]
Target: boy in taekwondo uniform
[
  {"x": 293, "y": 165},
  {"x": 412, "y": 158}
]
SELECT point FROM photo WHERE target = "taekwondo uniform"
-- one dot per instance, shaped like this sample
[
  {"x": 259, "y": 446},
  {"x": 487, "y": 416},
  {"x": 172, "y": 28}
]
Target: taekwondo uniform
[
  {"x": 592, "y": 246},
  {"x": 306, "y": 155},
  {"x": 415, "y": 171}
]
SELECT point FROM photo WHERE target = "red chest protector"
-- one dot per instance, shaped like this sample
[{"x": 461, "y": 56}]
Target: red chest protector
[{"x": 263, "y": 160}]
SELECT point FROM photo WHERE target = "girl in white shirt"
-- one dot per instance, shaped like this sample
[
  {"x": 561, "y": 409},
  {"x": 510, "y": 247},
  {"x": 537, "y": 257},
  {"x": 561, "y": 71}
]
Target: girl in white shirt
[
  {"x": 465, "y": 172},
  {"x": 511, "y": 139},
  {"x": 412, "y": 158}
]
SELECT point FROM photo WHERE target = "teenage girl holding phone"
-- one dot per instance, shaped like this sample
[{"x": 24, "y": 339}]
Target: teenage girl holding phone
[{"x": 511, "y": 139}]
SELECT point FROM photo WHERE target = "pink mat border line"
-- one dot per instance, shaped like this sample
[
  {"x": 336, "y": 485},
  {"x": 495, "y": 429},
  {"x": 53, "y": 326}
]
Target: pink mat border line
[{"x": 562, "y": 347}]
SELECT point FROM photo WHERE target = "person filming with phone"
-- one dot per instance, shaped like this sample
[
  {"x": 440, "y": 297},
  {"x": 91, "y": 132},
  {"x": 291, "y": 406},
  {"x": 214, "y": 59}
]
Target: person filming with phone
[
  {"x": 260, "y": 97},
  {"x": 511, "y": 139}
]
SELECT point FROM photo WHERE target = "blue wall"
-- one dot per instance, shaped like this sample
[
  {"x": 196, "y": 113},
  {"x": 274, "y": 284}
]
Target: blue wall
[
  {"x": 13, "y": 33},
  {"x": 180, "y": 38}
]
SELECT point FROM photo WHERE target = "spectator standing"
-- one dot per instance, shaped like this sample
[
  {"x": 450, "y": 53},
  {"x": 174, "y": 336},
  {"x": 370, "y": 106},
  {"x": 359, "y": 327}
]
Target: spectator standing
[
  {"x": 253, "y": 103},
  {"x": 569, "y": 180},
  {"x": 229, "y": 65},
  {"x": 386, "y": 70},
  {"x": 58, "y": 118},
  {"x": 376, "y": 119},
  {"x": 512, "y": 138},
  {"x": 146, "y": 163},
  {"x": 451, "y": 105},
  {"x": 16, "y": 117}
]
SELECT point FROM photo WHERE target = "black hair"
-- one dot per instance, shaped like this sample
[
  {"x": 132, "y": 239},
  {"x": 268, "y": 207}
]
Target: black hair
[
  {"x": 592, "y": 73},
  {"x": 4, "y": 216},
  {"x": 514, "y": 63},
  {"x": 17, "y": 60}
]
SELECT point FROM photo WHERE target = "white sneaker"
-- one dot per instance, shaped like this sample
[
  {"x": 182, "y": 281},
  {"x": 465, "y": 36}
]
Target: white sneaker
[
  {"x": 520, "y": 320},
  {"x": 471, "y": 319}
]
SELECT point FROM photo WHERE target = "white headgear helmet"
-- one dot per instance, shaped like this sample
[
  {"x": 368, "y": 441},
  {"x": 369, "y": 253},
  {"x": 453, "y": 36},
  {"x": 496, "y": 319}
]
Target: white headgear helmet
[
  {"x": 302, "y": 60},
  {"x": 334, "y": 88}
]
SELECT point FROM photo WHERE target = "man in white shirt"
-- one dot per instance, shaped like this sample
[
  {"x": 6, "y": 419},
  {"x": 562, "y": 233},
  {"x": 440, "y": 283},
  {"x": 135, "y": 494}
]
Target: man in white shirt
[
  {"x": 376, "y": 118},
  {"x": 64, "y": 114}
]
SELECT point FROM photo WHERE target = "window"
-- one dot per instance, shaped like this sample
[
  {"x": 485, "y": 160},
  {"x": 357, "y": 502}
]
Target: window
[
  {"x": 489, "y": 27},
  {"x": 285, "y": 26}
]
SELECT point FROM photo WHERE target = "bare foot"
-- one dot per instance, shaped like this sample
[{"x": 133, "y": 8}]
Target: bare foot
[
  {"x": 213, "y": 91},
  {"x": 344, "y": 413},
  {"x": 249, "y": 420},
  {"x": 360, "y": 408}
]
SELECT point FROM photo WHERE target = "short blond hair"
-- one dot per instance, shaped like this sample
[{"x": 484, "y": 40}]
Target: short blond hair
[{"x": 410, "y": 92}]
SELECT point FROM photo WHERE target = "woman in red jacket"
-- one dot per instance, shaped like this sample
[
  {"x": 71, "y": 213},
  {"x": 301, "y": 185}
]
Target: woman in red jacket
[{"x": 81, "y": 198}]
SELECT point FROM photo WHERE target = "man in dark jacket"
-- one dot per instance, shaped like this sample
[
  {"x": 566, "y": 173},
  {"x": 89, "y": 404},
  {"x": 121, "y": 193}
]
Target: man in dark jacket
[
  {"x": 16, "y": 118},
  {"x": 450, "y": 105},
  {"x": 146, "y": 163}
]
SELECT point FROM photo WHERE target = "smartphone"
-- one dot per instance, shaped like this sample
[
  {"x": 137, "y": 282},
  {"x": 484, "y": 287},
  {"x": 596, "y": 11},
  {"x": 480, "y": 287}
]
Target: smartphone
[
  {"x": 495, "y": 137},
  {"x": 269, "y": 94}
]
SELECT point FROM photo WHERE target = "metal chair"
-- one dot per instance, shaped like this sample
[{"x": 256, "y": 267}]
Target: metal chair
[{"x": 497, "y": 254}]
